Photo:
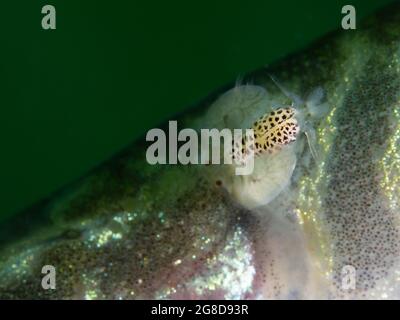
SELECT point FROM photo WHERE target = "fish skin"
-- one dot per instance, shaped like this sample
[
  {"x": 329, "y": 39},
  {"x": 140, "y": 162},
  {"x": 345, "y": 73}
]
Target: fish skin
[{"x": 348, "y": 204}]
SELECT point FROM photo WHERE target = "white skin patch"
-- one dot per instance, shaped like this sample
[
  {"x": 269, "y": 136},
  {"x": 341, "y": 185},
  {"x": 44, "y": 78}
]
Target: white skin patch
[{"x": 276, "y": 131}]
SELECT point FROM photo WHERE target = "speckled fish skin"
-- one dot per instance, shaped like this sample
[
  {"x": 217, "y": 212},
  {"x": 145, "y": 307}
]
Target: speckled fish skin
[{"x": 133, "y": 231}]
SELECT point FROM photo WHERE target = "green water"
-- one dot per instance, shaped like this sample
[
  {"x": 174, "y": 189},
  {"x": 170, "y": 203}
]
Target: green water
[{"x": 72, "y": 97}]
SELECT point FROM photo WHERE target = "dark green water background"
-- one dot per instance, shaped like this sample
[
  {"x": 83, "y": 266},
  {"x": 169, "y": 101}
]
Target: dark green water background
[{"x": 72, "y": 97}]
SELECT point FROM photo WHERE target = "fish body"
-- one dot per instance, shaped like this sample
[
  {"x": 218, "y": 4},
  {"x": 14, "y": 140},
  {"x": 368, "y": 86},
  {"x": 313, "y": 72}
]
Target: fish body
[{"x": 130, "y": 230}]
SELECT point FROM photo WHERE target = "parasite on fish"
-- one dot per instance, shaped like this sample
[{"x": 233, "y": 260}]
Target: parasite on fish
[{"x": 276, "y": 144}]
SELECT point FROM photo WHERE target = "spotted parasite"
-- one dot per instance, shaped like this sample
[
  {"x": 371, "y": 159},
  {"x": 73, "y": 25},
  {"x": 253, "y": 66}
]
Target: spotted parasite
[{"x": 276, "y": 145}]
